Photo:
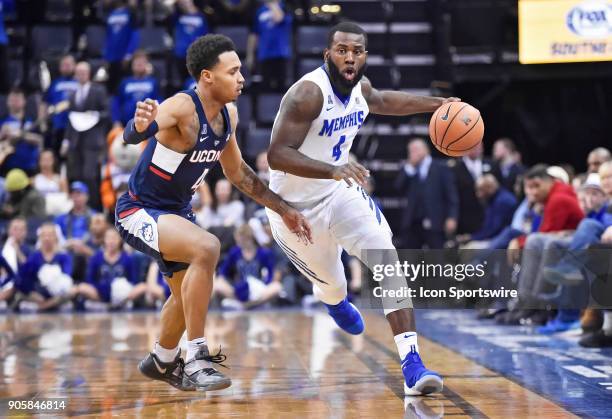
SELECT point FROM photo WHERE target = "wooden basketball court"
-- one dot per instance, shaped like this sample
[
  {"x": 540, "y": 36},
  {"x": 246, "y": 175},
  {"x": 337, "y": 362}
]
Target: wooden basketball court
[{"x": 284, "y": 364}]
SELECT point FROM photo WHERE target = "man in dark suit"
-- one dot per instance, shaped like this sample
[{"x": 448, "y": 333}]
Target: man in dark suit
[
  {"x": 433, "y": 206},
  {"x": 466, "y": 171},
  {"x": 85, "y": 139},
  {"x": 507, "y": 167}
]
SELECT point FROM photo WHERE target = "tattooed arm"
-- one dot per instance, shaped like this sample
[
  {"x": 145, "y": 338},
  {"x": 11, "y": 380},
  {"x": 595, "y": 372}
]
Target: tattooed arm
[
  {"x": 244, "y": 178},
  {"x": 248, "y": 183}
]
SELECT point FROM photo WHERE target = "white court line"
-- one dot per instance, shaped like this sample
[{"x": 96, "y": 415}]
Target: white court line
[{"x": 585, "y": 371}]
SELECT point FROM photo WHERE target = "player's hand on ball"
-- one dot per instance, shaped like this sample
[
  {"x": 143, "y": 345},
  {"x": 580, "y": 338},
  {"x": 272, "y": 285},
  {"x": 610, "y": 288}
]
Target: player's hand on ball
[
  {"x": 352, "y": 170},
  {"x": 450, "y": 99},
  {"x": 298, "y": 225},
  {"x": 146, "y": 112}
]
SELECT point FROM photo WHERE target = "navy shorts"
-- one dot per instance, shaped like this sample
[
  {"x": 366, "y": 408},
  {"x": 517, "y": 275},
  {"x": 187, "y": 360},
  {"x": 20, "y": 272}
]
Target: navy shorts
[{"x": 137, "y": 225}]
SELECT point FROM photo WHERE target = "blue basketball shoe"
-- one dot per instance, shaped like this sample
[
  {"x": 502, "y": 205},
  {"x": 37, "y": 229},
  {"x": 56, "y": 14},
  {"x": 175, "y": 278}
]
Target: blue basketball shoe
[
  {"x": 418, "y": 380},
  {"x": 346, "y": 316}
]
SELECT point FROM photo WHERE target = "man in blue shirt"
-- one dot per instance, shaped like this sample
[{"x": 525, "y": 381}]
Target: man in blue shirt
[
  {"x": 271, "y": 38},
  {"x": 190, "y": 23},
  {"x": 74, "y": 226},
  {"x": 6, "y": 6},
  {"x": 75, "y": 223},
  {"x": 122, "y": 38},
  {"x": 500, "y": 205},
  {"x": 19, "y": 142},
  {"x": 57, "y": 96},
  {"x": 140, "y": 86}
]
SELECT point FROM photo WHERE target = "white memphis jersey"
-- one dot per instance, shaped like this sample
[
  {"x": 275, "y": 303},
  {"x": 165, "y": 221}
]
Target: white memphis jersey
[{"x": 329, "y": 140}]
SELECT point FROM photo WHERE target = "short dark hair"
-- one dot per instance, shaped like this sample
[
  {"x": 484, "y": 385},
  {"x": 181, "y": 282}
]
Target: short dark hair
[
  {"x": 539, "y": 171},
  {"x": 203, "y": 53},
  {"x": 17, "y": 90},
  {"x": 508, "y": 143},
  {"x": 348, "y": 27},
  {"x": 140, "y": 53}
]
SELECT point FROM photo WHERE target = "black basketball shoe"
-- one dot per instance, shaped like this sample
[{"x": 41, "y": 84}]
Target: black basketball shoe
[
  {"x": 200, "y": 373},
  {"x": 170, "y": 372}
]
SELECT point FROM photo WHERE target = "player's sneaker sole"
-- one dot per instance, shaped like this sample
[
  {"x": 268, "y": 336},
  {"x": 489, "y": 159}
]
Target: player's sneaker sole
[
  {"x": 427, "y": 384},
  {"x": 150, "y": 368},
  {"x": 206, "y": 378},
  {"x": 219, "y": 385}
]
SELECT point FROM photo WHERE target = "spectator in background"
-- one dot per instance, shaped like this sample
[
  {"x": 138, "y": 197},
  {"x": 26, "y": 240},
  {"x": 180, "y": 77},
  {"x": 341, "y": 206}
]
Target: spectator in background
[
  {"x": 15, "y": 250},
  {"x": 596, "y": 158},
  {"x": 122, "y": 38},
  {"x": 239, "y": 12},
  {"x": 593, "y": 199},
  {"x": 48, "y": 181},
  {"x": 74, "y": 227},
  {"x": 20, "y": 141},
  {"x": 594, "y": 234},
  {"x": 98, "y": 225},
  {"x": 158, "y": 290},
  {"x": 23, "y": 200},
  {"x": 56, "y": 101},
  {"x": 222, "y": 211},
  {"x": 561, "y": 213},
  {"x": 85, "y": 143},
  {"x": 75, "y": 223},
  {"x": 7, "y": 282},
  {"x": 111, "y": 274},
  {"x": 270, "y": 42},
  {"x": 116, "y": 171},
  {"x": 45, "y": 277},
  {"x": 140, "y": 86},
  {"x": 433, "y": 206},
  {"x": 507, "y": 167},
  {"x": 246, "y": 276},
  {"x": 6, "y": 6},
  {"x": 499, "y": 208},
  {"x": 594, "y": 203},
  {"x": 190, "y": 23},
  {"x": 590, "y": 230},
  {"x": 466, "y": 171}
]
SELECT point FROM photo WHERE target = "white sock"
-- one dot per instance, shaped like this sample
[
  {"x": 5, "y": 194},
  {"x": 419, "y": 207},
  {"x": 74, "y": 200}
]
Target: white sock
[
  {"x": 165, "y": 355},
  {"x": 193, "y": 346},
  {"x": 607, "y": 322},
  {"x": 405, "y": 342}
]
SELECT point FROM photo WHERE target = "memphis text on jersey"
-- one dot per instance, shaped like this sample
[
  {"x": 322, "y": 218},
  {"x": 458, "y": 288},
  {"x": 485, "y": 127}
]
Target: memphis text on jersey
[{"x": 332, "y": 125}]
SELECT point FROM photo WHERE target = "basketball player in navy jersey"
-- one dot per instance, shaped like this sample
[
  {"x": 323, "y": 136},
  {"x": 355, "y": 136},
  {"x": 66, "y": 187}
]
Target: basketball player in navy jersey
[
  {"x": 188, "y": 134},
  {"x": 319, "y": 117}
]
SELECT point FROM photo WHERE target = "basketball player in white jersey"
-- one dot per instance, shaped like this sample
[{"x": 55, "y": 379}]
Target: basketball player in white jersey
[{"x": 313, "y": 132}]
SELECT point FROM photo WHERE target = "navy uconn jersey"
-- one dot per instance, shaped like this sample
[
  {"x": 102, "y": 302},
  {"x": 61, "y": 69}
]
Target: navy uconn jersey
[{"x": 166, "y": 179}]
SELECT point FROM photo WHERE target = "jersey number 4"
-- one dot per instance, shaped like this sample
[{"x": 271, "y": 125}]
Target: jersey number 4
[
  {"x": 198, "y": 182},
  {"x": 337, "y": 151}
]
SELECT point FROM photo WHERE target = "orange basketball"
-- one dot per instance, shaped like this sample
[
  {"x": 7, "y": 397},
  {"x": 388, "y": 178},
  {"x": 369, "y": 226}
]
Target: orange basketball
[{"x": 456, "y": 128}]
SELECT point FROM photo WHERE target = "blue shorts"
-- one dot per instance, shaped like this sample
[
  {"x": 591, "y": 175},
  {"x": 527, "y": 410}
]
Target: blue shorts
[
  {"x": 137, "y": 225},
  {"x": 104, "y": 291}
]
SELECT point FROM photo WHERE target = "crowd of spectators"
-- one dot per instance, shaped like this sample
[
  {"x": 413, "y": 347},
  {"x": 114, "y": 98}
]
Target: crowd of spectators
[
  {"x": 62, "y": 169},
  {"x": 553, "y": 228}
]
